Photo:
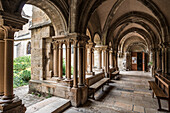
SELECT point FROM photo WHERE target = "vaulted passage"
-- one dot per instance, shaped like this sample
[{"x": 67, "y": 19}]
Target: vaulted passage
[{"x": 79, "y": 47}]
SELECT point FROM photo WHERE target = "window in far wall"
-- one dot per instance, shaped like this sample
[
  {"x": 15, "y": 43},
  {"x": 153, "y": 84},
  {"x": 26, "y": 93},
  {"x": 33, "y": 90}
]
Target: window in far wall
[{"x": 29, "y": 48}]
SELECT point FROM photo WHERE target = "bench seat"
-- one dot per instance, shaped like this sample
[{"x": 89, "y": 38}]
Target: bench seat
[
  {"x": 157, "y": 90},
  {"x": 159, "y": 93},
  {"x": 114, "y": 74},
  {"x": 98, "y": 85}
]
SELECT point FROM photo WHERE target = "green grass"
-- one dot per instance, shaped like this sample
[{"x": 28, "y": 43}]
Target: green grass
[{"x": 21, "y": 71}]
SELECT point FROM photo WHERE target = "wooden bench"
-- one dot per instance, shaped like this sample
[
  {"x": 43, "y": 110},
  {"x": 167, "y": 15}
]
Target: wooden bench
[
  {"x": 96, "y": 82},
  {"x": 113, "y": 73},
  {"x": 161, "y": 89}
]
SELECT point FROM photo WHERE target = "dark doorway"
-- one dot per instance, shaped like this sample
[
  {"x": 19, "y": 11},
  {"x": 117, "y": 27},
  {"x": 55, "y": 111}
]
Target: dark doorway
[{"x": 139, "y": 61}]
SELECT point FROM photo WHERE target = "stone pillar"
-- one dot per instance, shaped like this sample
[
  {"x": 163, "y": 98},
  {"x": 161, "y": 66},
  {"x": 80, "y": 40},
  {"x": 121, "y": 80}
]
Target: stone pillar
[
  {"x": 166, "y": 60},
  {"x": 1, "y": 64},
  {"x": 100, "y": 59},
  {"x": 60, "y": 61},
  {"x": 111, "y": 58},
  {"x": 158, "y": 60},
  {"x": 8, "y": 66},
  {"x": 8, "y": 103},
  {"x": 68, "y": 68},
  {"x": 81, "y": 45},
  {"x": 75, "y": 83},
  {"x": 163, "y": 59},
  {"x": 103, "y": 59},
  {"x": 90, "y": 58},
  {"x": 55, "y": 57},
  {"x": 106, "y": 62},
  {"x": 115, "y": 60}
]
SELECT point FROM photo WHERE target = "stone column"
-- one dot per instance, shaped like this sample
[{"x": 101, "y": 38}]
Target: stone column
[
  {"x": 158, "y": 59},
  {"x": 163, "y": 59},
  {"x": 8, "y": 103},
  {"x": 90, "y": 59},
  {"x": 103, "y": 59},
  {"x": 166, "y": 60},
  {"x": 106, "y": 62},
  {"x": 8, "y": 65},
  {"x": 55, "y": 57},
  {"x": 75, "y": 83},
  {"x": 1, "y": 64},
  {"x": 81, "y": 63},
  {"x": 116, "y": 64},
  {"x": 111, "y": 58},
  {"x": 100, "y": 59},
  {"x": 68, "y": 68},
  {"x": 60, "y": 61}
]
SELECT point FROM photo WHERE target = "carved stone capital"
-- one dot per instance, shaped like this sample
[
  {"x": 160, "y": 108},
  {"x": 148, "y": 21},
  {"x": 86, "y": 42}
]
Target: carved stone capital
[{"x": 14, "y": 21}]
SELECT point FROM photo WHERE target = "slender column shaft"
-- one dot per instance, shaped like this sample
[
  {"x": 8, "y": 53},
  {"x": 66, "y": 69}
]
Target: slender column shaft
[
  {"x": 99, "y": 53},
  {"x": 68, "y": 61},
  {"x": 111, "y": 58},
  {"x": 163, "y": 60},
  {"x": 106, "y": 61},
  {"x": 1, "y": 67},
  {"x": 158, "y": 60},
  {"x": 166, "y": 60},
  {"x": 55, "y": 55},
  {"x": 60, "y": 61},
  {"x": 8, "y": 71},
  {"x": 90, "y": 60},
  {"x": 103, "y": 59},
  {"x": 75, "y": 65},
  {"x": 81, "y": 67}
]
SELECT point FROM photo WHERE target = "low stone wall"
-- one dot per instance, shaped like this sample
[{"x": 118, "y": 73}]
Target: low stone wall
[{"x": 49, "y": 87}]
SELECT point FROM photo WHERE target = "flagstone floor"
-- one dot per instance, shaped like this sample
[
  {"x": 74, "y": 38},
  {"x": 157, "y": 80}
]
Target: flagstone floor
[{"x": 130, "y": 94}]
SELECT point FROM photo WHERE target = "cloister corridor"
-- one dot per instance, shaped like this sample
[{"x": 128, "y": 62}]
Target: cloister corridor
[{"x": 129, "y": 94}]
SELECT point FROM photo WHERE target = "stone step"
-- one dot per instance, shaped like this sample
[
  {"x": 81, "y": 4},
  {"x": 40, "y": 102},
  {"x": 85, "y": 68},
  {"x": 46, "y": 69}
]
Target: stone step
[{"x": 50, "y": 105}]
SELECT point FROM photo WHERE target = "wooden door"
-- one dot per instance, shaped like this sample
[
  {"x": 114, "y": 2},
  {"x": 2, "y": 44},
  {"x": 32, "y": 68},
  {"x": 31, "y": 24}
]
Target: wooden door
[{"x": 134, "y": 61}]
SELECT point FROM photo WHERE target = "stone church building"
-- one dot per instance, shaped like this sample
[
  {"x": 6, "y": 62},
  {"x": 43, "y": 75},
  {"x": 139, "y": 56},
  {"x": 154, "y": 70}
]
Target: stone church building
[{"x": 98, "y": 38}]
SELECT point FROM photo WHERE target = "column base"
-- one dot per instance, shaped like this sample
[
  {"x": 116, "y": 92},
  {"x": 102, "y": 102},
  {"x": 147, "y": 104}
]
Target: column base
[
  {"x": 90, "y": 73},
  {"x": 15, "y": 106},
  {"x": 76, "y": 97},
  {"x": 84, "y": 94}
]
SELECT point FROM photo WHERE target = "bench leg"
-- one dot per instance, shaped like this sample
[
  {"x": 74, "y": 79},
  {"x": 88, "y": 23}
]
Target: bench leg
[
  {"x": 159, "y": 103},
  {"x": 102, "y": 88},
  {"x": 93, "y": 94}
]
